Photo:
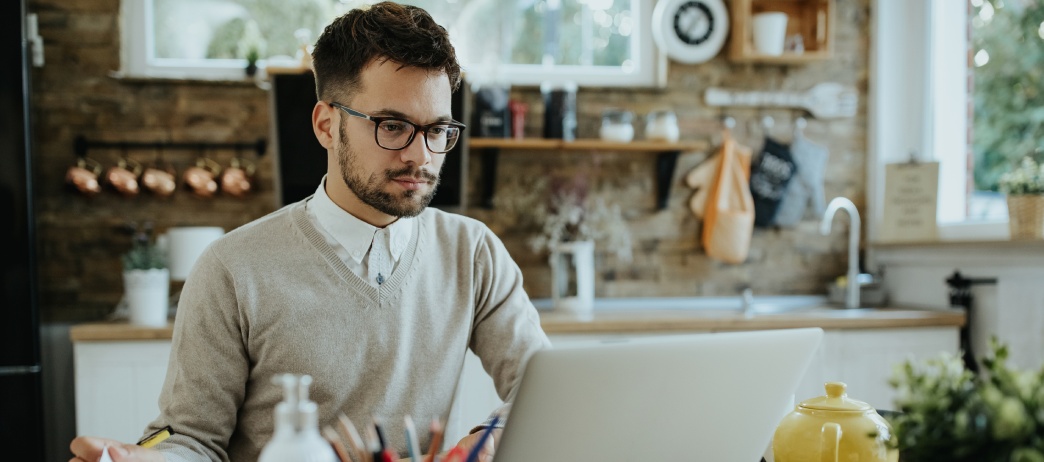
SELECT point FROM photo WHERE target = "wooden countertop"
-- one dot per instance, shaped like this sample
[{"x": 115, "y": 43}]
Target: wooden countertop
[
  {"x": 639, "y": 320},
  {"x": 611, "y": 321}
]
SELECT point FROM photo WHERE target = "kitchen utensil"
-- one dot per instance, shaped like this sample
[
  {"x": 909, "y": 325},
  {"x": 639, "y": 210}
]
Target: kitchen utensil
[
  {"x": 825, "y": 100},
  {"x": 83, "y": 177},
  {"x": 237, "y": 180},
  {"x": 833, "y": 428},
  {"x": 159, "y": 177},
  {"x": 123, "y": 177},
  {"x": 202, "y": 177}
]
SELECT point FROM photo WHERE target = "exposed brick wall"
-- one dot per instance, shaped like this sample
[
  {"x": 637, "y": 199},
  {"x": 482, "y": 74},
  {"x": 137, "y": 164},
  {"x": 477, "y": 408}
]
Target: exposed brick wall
[{"x": 74, "y": 94}]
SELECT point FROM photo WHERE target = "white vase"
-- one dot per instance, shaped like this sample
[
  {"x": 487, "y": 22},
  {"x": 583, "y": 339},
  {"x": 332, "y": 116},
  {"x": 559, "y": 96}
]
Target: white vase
[
  {"x": 148, "y": 296},
  {"x": 572, "y": 277}
]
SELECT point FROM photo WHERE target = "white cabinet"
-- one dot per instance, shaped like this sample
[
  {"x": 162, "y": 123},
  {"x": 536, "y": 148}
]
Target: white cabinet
[
  {"x": 118, "y": 382},
  {"x": 118, "y": 385},
  {"x": 865, "y": 358}
]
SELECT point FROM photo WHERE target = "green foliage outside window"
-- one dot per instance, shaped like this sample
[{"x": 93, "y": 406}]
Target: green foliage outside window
[{"x": 1008, "y": 35}]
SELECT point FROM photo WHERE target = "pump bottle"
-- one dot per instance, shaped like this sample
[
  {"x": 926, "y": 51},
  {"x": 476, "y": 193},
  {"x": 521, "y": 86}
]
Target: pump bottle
[{"x": 296, "y": 437}]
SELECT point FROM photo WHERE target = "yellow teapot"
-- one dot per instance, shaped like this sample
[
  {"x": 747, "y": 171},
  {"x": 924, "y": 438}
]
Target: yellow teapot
[{"x": 833, "y": 428}]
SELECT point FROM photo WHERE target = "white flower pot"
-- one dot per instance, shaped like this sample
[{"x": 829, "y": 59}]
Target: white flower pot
[
  {"x": 148, "y": 296},
  {"x": 572, "y": 277}
]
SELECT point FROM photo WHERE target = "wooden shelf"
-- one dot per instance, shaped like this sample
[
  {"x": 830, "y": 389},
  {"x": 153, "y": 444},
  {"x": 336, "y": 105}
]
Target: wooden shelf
[
  {"x": 811, "y": 19},
  {"x": 540, "y": 144}
]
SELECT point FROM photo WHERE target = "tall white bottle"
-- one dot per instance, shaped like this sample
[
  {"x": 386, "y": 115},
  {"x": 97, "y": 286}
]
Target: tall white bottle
[{"x": 296, "y": 437}]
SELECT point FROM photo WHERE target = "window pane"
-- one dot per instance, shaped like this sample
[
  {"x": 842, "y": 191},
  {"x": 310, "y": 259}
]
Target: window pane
[
  {"x": 222, "y": 29},
  {"x": 491, "y": 33},
  {"x": 593, "y": 42},
  {"x": 1008, "y": 59}
]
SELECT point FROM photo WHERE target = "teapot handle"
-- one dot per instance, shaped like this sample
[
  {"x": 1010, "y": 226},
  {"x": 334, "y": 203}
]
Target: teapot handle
[{"x": 829, "y": 439}]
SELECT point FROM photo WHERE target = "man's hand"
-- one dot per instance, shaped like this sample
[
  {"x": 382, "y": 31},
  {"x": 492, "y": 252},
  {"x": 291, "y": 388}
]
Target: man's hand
[
  {"x": 89, "y": 449},
  {"x": 488, "y": 448}
]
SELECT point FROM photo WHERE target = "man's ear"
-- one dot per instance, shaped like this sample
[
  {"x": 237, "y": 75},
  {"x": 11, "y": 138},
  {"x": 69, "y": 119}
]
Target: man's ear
[{"x": 323, "y": 123}]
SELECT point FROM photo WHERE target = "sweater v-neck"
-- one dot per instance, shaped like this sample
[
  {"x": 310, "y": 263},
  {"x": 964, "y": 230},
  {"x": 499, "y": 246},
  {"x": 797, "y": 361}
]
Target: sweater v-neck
[{"x": 390, "y": 287}]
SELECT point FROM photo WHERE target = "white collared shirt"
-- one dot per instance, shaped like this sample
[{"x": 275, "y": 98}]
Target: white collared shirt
[{"x": 370, "y": 252}]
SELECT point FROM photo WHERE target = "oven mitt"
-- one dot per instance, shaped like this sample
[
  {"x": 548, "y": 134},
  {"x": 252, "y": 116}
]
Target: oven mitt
[
  {"x": 810, "y": 160},
  {"x": 769, "y": 176},
  {"x": 700, "y": 179}
]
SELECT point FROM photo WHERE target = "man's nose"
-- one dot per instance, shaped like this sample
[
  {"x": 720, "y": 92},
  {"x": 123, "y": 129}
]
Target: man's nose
[{"x": 417, "y": 151}]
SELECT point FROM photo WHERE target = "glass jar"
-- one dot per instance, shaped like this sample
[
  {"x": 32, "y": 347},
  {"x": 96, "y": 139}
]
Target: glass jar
[
  {"x": 661, "y": 125},
  {"x": 617, "y": 125}
]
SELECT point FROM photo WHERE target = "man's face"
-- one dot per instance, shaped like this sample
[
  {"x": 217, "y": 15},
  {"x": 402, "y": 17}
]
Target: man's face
[{"x": 395, "y": 183}]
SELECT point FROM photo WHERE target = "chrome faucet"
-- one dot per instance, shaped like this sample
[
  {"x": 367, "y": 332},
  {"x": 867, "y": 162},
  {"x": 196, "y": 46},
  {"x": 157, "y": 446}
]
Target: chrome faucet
[
  {"x": 747, "y": 302},
  {"x": 852, "y": 283}
]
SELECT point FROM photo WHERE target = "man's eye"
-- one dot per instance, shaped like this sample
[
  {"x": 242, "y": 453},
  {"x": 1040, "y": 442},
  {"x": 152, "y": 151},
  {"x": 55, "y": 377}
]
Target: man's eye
[
  {"x": 438, "y": 130},
  {"x": 393, "y": 126}
]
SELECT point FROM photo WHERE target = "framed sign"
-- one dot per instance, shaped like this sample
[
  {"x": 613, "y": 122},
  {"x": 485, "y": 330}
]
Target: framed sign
[{"x": 911, "y": 194}]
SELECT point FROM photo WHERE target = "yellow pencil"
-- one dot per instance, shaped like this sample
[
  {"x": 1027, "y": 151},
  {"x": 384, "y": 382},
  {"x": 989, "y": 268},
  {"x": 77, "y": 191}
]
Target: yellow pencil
[{"x": 156, "y": 437}]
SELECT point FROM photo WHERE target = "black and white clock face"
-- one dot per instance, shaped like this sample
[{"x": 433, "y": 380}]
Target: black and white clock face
[
  {"x": 693, "y": 22},
  {"x": 690, "y": 31}
]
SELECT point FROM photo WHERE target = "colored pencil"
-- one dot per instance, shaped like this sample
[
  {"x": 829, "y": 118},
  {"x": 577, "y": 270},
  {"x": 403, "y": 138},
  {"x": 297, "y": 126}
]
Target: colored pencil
[
  {"x": 473, "y": 455},
  {"x": 436, "y": 439},
  {"x": 331, "y": 435}
]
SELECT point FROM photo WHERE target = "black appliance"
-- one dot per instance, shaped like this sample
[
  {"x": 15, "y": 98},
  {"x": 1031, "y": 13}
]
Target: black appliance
[
  {"x": 301, "y": 160},
  {"x": 21, "y": 400}
]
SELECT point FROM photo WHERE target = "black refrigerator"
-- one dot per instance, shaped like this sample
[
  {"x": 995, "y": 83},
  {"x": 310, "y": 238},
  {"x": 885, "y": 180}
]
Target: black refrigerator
[{"x": 21, "y": 401}]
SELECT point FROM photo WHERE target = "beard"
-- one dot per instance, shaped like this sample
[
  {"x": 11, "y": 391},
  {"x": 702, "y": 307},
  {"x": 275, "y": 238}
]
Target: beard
[{"x": 371, "y": 190}]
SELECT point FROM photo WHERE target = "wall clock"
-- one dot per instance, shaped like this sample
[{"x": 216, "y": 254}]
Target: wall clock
[{"x": 690, "y": 31}]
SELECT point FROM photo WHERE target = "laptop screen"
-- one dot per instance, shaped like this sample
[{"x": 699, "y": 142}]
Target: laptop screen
[{"x": 707, "y": 397}]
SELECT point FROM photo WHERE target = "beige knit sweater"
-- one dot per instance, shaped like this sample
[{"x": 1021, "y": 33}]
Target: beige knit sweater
[{"x": 272, "y": 297}]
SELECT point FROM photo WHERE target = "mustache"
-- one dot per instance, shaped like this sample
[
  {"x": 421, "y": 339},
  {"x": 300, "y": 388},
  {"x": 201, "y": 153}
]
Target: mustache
[{"x": 412, "y": 172}]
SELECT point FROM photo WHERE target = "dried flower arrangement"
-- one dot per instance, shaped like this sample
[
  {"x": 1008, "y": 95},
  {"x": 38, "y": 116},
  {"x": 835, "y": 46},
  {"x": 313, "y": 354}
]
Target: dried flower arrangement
[{"x": 564, "y": 210}]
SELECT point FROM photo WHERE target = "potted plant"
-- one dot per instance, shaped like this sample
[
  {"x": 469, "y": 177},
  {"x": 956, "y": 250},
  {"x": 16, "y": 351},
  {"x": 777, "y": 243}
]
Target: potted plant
[
  {"x": 250, "y": 46},
  {"x": 1024, "y": 187},
  {"x": 146, "y": 278},
  {"x": 947, "y": 413}
]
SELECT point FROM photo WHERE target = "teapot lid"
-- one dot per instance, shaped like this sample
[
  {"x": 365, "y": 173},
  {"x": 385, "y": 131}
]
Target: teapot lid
[{"x": 835, "y": 400}]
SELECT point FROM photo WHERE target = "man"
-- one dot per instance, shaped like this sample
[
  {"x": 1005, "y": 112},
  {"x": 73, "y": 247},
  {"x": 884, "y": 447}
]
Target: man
[{"x": 359, "y": 286}]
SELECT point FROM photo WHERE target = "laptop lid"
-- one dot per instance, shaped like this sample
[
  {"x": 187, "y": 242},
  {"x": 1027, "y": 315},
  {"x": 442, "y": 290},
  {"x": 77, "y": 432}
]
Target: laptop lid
[{"x": 703, "y": 397}]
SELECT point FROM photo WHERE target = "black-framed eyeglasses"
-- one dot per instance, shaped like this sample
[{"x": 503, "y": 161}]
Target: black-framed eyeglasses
[{"x": 395, "y": 134}]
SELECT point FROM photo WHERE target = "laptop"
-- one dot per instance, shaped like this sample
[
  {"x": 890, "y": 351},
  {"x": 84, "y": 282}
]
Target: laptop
[{"x": 713, "y": 397}]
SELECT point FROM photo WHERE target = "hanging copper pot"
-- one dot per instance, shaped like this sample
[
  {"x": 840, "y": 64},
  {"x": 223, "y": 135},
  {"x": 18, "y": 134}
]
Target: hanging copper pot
[
  {"x": 83, "y": 177},
  {"x": 238, "y": 179},
  {"x": 123, "y": 177},
  {"x": 202, "y": 178}
]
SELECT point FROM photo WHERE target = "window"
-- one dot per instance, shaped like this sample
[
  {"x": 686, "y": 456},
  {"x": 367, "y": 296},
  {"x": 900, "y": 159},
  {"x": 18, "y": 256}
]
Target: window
[
  {"x": 929, "y": 97},
  {"x": 520, "y": 42}
]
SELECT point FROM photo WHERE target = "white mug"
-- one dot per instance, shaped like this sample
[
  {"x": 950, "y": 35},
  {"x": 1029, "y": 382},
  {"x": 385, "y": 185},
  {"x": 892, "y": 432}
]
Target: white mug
[{"x": 770, "y": 32}]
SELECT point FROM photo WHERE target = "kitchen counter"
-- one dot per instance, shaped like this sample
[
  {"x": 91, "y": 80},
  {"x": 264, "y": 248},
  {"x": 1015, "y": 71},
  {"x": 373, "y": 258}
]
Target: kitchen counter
[
  {"x": 724, "y": 320},
  {"x": 644, "y": 320}
]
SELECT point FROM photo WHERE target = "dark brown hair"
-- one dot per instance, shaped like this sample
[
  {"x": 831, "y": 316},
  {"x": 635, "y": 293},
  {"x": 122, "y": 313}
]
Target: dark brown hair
[{"x": 403, "y": 34}]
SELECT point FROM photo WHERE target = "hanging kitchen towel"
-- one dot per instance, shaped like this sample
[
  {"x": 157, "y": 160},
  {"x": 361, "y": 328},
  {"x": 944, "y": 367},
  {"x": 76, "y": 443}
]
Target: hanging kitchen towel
[
  {"x": 769, "y": 175},
  {"x": 810, "y": 160},
  {"x": 729, "y": 216}
]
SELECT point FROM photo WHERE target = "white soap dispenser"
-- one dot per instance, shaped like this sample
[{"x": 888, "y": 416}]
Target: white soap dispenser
[{"x": 296, "y": 437}]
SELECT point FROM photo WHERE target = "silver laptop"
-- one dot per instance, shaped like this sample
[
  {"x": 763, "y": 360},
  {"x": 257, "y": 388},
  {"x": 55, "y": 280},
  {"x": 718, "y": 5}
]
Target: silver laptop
[{"x": 704, "y": 397}]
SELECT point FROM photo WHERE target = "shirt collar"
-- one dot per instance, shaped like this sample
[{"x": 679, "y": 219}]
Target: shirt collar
[{"x": 356, "y": 235}]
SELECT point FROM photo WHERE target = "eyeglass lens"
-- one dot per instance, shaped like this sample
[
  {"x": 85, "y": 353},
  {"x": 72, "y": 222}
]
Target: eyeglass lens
[{"x": 396, "y": 134}]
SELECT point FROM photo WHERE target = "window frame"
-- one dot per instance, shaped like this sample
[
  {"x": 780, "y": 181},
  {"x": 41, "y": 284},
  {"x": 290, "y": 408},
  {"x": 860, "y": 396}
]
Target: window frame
[
  {"x": 913, "y": 59},
  {"x": 137, "y": 61}
]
